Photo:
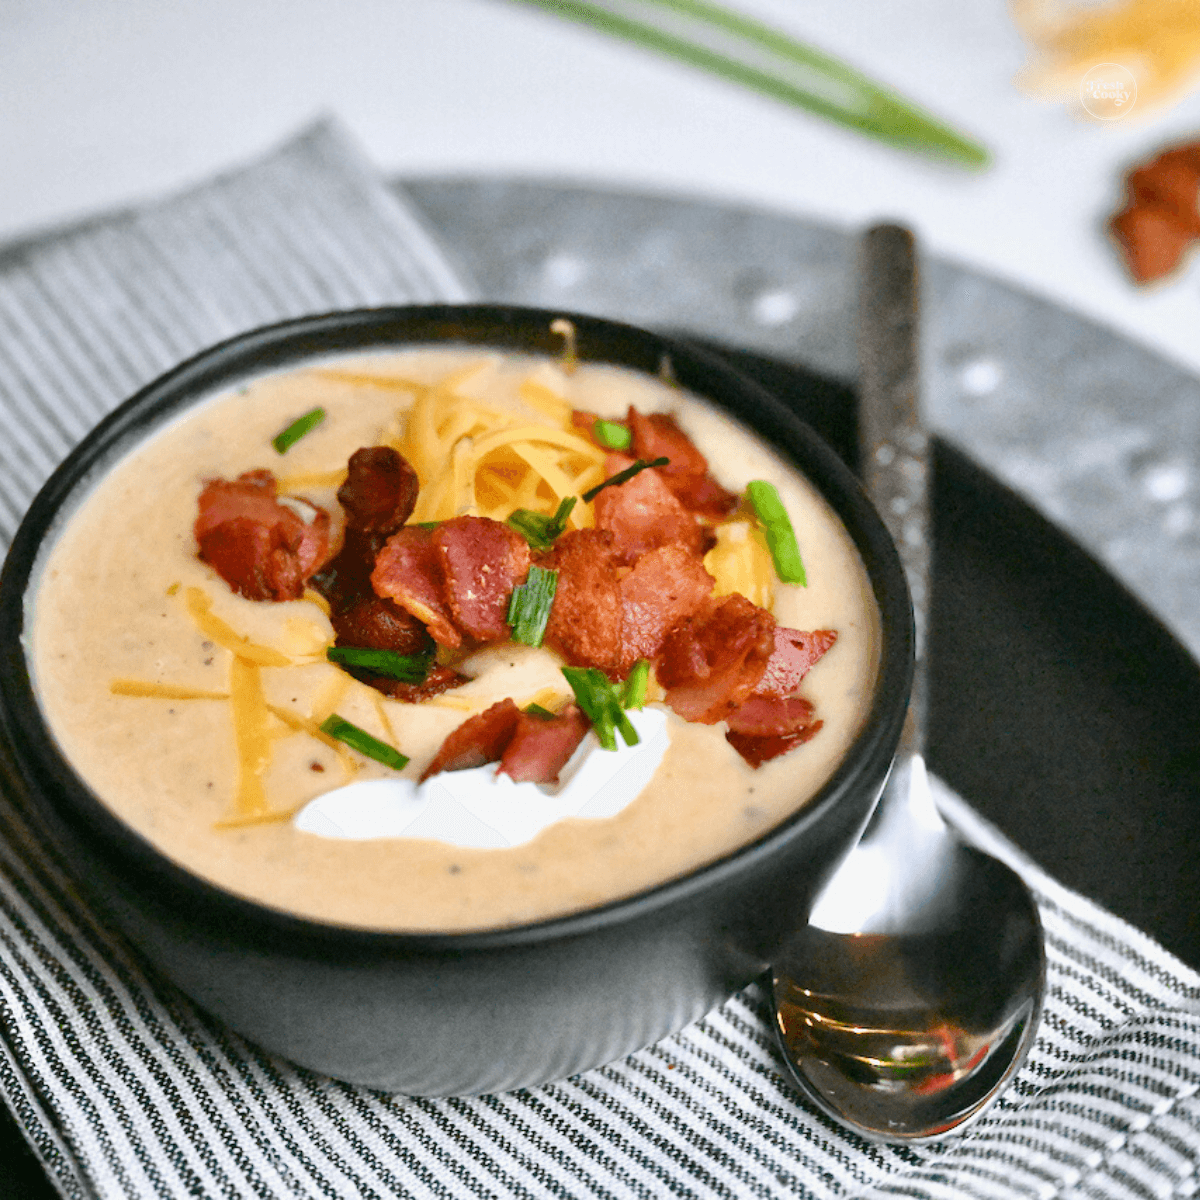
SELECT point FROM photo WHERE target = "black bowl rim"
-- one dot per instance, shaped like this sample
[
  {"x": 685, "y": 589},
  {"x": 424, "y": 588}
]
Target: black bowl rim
[{"x": 502, "y": 326}]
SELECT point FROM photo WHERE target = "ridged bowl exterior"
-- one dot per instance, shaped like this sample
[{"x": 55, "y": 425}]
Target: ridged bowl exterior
[{"x": 455, "y": 1014}]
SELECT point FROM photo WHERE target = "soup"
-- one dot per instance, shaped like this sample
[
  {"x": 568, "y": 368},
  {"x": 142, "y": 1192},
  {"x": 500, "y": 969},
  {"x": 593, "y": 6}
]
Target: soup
[{"x": 201, "y": 715}]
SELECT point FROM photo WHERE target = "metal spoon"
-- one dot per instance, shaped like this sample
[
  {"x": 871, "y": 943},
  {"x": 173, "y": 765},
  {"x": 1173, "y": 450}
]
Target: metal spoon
[{"x": 914, "y": 993}]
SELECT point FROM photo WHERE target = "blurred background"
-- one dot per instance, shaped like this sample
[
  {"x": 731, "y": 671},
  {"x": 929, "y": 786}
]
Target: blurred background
[{"x": 107, "y": 102}]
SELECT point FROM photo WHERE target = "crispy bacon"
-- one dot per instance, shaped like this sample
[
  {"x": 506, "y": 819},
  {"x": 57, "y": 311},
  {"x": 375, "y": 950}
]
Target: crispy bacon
[
  {"x": 263, "y": 547},
  {"x": 794, "y": 655},
  {"x": 585, "y": 621},
  {"x": 482, "y": 561},
  {"x": 770, "y": 716},
  {"x": 379, "y": 492},
  {"x": 757, "y": 750},
  {"x": 479, "y": 739},
  {"x": 715, "y": 659},
  {"x": 440, "y": 679},
  {"x": 664, "y": 587},
  {"x": 408, "y": 570},
  {"x": 773, "y": 720},
  {"x": 1161, "y": 217},
  {"x": 643, "y": 514},
  {"x": 541, "y": 746},
  {"x": 380, "y": 624},
  {"x": 656, "y": 435}
]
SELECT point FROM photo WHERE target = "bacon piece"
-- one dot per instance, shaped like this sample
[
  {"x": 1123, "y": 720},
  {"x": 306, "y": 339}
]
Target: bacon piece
[
  {"x": 482, "y": 561},
  {"x": 380, "y": 624},
  {"x": 1161, "y": 217},
  {"x": 664, "y": 587},
  {"x": 656, "y": 435},
  {"x": 379, "y": 492},
  {"x": 439, "y": 680},
  {"x": 773, "y": 720},
  {"x": 479, "y": 739},
  {"x": 1152, "y": 239},
  {"x": 643, "y": 514},
  {"x": 585, "y": 422},
  {"x": 585, "y": 621},
  {"x": 408, "y": 570},
  {"x": 263, "y": 547},
  {"x": 795, "y": 653},
  {"x": 757, "y": 750},
  {"x": 770, "y": 716},
  {"x": 715, "y": 659},
  {"x": 541, "y": 746}
]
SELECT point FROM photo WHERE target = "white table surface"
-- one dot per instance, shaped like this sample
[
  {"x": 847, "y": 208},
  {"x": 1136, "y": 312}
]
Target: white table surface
[{"x": 105, "y": 102}]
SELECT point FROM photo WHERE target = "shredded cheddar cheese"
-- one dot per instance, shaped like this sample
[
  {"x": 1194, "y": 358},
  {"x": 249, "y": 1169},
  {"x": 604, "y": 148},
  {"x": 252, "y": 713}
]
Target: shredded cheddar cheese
[
  {"x": 741, "y": 562},
  {"x": 162, "y": 691},
  {"x": 1157, "y": 41},
  {"x": 200, "y": 608}
]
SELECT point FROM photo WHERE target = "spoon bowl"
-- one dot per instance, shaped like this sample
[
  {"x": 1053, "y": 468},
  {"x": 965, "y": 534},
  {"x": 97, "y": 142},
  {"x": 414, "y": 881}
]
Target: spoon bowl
[{"x": 913, "y": 994}]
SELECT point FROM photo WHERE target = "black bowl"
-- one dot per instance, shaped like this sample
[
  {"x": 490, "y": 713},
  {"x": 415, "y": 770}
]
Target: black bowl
[{"x": 463, "y": 1013}]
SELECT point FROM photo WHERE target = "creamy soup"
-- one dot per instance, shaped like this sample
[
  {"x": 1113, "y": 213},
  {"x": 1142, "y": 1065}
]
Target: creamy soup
[{"x": 140, "y": 649}]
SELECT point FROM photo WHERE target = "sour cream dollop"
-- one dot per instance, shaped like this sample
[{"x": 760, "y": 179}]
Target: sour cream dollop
[{"x": 481, "y": 809}]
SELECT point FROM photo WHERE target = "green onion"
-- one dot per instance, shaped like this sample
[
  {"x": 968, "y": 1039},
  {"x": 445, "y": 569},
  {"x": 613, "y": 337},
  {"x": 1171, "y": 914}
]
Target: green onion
[
  {"x": 536, "y": 710},
  {"x": 778, "y": 526},
  {"x": 612, "y": 434},
  {"x": 408, "y": 668},
  {"x": 359, "y": 739},
  {"x": 286, "y": 439},
  {"x": 745, "y": 51},
  {"x": 538, "y": 529},
  {"x": 599, "y": 701},
  {"x": 639, "y": 465},
  {"x": 635, "y": 684},
  {"x": 529, "y": 606}
]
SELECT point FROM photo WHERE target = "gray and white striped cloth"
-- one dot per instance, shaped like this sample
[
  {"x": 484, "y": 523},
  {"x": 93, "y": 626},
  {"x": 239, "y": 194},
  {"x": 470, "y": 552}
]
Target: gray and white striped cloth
[{"x": 125, "y": 1089}]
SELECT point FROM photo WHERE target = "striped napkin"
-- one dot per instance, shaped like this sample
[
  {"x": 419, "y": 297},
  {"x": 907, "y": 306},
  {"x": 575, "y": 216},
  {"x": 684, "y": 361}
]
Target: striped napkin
[{"x": 125, "y": 1089}]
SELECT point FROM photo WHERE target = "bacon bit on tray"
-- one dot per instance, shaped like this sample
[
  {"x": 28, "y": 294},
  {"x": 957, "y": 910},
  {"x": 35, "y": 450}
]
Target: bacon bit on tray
[
  {"x": 664, "y": 587},
  {"x": 715, "y": 659},
  {"x": 644, "y": 514},
  {"x": 263, "y": 547},
  {"x": 1161, "y": 217},
  {"x": 408, "y": 570},
  {"x": 482, "y": 561},
  {"x": 541, "y": 746},
  {"x": 478, "y": 740}
]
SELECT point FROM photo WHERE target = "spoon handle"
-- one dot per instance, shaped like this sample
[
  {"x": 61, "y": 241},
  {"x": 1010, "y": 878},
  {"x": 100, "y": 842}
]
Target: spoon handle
[{"x": 893, "y": 442}]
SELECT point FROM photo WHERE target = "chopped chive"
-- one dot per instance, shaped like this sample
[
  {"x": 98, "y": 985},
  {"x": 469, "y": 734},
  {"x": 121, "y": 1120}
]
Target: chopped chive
[
  {"x": 427, "y": 524},
  {"x": 747, "y": 52},
  {"x": 288, "y": 437},
  {"x": 530, "y": 604},
  {"x": 599, "y": 701},
  {"x": 638, "y": 466},
  {"x": 781, "y": 539},
  {"x": 539, "y": 529},
  {"x": 613, "y": 434},
  {"x": 536, "y": 710},
  {"x": 635, "y": 684},
  {"x": 408, "y": 668},
  {"x": 359, "y": 739}
]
